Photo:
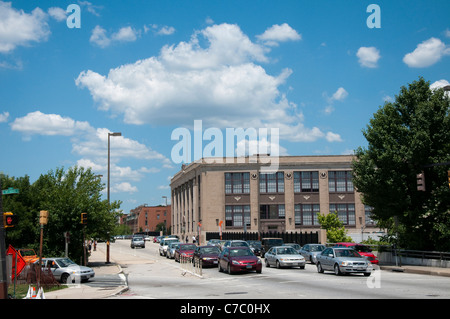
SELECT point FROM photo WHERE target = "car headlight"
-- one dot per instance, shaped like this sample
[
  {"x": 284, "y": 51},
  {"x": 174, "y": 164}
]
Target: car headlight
[
  {"x": 346, "y": 263},
  {"x": 234, "y": 262}
]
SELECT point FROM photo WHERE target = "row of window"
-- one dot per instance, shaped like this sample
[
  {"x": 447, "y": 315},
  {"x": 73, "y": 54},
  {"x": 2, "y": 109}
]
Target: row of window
[
  {"x": 304, "y": 214},
  {"x": 304, "y": 182}
]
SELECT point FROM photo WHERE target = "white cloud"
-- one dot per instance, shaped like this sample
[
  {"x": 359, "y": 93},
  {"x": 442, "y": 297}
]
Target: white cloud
[
  {"x": 426, "y": 54},
  {"x": 58, "y": 14},
  {"x": 18, "y": 28},
  {"x": 91, "y": 144},
  {"x": 340, "y": 94},
  {"x": 124, "y": 187},
  {"x": 332, "y": 137},
  {"x": 4, "y": 117},
  {"x": 279, "y": 33},
  {"x": 47, "y": 124},
  {"x": 125, "y": 34},
  {"x": 219, "y": 82},
  {"x": 368, "y": 56},
  {"x": 100, "y": 37}
]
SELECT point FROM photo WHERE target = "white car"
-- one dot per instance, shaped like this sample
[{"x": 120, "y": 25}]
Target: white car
[
  {"x": 284, "y": 256},
  {"x": 164, "y": 243},
  {"x": 66, "y": 271}
]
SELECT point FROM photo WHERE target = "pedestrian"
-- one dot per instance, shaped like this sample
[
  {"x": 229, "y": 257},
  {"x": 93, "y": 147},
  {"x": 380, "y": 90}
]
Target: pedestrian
[
  {"x": 95, "y": 245},
  {"x": 193, "y": 239},
  {"x": 187, "y": 239}
]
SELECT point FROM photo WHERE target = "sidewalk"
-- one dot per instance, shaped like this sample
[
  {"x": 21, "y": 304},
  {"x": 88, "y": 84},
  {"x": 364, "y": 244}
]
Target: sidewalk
[
  {"x": 423, "y": 270},
  {"x": 97, "y": 261}
]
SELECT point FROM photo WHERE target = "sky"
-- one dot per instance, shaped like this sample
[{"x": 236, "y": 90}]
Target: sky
[{"x": 312, "y": 73}]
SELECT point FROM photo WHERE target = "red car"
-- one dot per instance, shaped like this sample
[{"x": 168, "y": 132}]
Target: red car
[
  {"x": 362, "y": 250},
  {"x": 235, "y": 259},
  {"x": 184, "y": 250}
]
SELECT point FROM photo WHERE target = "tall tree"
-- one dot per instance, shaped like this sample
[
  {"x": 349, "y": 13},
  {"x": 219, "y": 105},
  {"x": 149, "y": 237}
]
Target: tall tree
[{"x": 406, "y": 137}]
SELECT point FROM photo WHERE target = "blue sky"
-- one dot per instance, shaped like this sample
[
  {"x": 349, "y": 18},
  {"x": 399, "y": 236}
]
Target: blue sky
[{"x": 312, "y": 69}]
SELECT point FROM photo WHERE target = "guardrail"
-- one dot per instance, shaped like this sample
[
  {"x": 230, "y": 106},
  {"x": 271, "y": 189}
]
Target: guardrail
[{"x": 188, "y": 265}]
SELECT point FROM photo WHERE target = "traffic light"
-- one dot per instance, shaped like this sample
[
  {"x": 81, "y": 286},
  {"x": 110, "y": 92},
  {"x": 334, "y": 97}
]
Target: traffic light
[
  {"x": 421, "y": 182},
  {"x": 84, "y": 218},
  {"x": 9, "y": 220}
]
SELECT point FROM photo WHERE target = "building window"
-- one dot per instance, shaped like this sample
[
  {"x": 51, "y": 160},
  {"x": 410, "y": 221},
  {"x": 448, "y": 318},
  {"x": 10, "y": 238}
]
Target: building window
[
  {"x": 368, "y": 216},
  {"x": 237, "y": 215},
  {"x": 271, "y": 211},
  {"x": 271, "y": 183},
  {"x": 306, "y": 182},
  {"x": 340, "y": 182},
  {"x": 237, "y": 183},
  {"x": 306, "y": 214},
  {"x": 346, "y": 213}
]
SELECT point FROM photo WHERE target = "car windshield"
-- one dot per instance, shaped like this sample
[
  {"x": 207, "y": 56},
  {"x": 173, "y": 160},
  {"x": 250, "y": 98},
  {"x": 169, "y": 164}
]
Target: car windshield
[
  {"x": 286, "y": 251},
  {"x": 210, "y": 250},
  {"x": 317, "y": 248},
  {"x": 138, "y": 239},
  {"x": 240, "y": 252},
  {"x": 187, "y": 247},
  {"x": 66, "y": 262},
  {"x": 362, "y": 248},
  {"x": 346, "y": 253},
  {"x": 275, "y": 242},
  {"x": 255, "y": 244},
  {"x": 238, "y": 244}
]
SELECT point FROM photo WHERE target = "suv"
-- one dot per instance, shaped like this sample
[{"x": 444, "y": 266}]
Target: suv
[
  {"x": 363, "y": 250},
  {"x": 137, "y": 242},
  {"x": 267, "y": 243},
  {"x": 164, "y": 243}
]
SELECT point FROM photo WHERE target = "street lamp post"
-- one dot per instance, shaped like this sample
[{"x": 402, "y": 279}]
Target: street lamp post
[{"x": 108, "y": 190}]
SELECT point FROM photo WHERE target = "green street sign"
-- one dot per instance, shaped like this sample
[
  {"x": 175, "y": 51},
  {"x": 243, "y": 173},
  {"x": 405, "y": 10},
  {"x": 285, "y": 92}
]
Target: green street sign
[{"x": 10, "y": 191}]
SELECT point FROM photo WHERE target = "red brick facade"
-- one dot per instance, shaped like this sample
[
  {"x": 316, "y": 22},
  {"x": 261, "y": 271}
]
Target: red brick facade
[{"x": 145, "y": 218}]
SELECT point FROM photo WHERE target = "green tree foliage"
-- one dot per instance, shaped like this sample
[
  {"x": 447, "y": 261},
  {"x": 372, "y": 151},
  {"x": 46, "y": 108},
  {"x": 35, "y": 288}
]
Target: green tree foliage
[
  {"x": 336, "y": 231},
  {"x": 65, "y": 195},
  {"x": 404, "y": 137}
]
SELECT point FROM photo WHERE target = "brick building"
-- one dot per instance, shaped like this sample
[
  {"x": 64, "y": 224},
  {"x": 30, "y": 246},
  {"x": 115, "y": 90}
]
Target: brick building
[
  {"x": 145, "y": 218},
  {"x": 238, "y": 195}
]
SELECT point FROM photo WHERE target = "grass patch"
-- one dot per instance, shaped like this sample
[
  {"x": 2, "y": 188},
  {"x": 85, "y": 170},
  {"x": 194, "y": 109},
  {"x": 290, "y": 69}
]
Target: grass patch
[{"x": 22, "y": 290}]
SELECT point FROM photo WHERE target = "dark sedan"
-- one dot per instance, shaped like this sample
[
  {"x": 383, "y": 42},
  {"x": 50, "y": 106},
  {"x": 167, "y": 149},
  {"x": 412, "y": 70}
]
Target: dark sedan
[
  {"x": 238, "y": 259},
  {"x": 184, "y": 250},
  {"x": 207, "y": 255}
]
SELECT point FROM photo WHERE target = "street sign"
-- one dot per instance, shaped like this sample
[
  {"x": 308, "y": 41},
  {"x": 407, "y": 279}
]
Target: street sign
[{"x": 10, "y": 190}]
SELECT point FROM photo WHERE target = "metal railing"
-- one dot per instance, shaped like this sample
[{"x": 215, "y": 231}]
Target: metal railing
[{"x": 189, "y": 266}]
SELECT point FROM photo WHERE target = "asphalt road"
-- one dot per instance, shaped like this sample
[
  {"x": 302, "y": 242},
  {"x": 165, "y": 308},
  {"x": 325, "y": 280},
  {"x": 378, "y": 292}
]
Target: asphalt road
[{"x": 152, "y": 276}]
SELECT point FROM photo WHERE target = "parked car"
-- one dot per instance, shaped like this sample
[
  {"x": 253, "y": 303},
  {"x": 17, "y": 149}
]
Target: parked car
[
  {"x": 267, "y": 243},
  {"x": 235, "y": 259},
  {"x": 66, "y": 271},
  {"x": 235, "y": 243},
  {"x": 255, "y": 246},
  {"x": 310, "y": 251},
  {"x": 184, "y": 250},
  {"x": 164, "y": 243},
  {"x": 284, "y": 256},
  {"x": 294, "y": 245},
  {"x": 207, "y": 255},
  {"x": 170, "y": 253},
  {"x": 137, "y": 241},
  {"x": 363, "y": 250},
  {"x": 343, "y": 260}
]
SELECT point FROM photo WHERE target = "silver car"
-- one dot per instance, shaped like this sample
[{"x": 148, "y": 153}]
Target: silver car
[
  {"x": 284, "y": 256},
  {"x": 170, "y": 252},
  {"x": 137, "y": 242},
  {"x": 66, "y": 271},
  {"x": 164, "y": 243},
  {"x": 310, "y": 251},
  {"x": 343, "y": 261}
]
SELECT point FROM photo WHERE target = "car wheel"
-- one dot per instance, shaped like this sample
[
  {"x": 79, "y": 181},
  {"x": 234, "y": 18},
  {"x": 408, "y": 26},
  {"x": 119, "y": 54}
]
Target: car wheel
[
  {"x": 278, "y": 264},
  {"x": 319, "y": 268},
  {"x": 367, "y": 274},
  {"x": 229, "y": 269},
  {"x": 337, "y": 271},
  {"x": 311, "y": 259},
  {"x": 266, "y": 263},
  {"x": 64, "y": 278},
  {"x": 302, "y": 267}
]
